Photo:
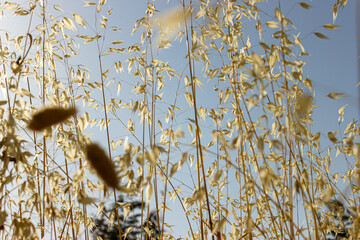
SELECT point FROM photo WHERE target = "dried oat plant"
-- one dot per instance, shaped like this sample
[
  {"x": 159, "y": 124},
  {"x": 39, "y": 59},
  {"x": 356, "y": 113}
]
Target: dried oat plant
[{"x": 210, "y": 124}]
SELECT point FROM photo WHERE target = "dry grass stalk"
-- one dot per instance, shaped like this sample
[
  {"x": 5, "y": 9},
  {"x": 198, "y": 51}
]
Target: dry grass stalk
[
  {"x": 50, "y": 116},
  {"x": 102, "y": 164}
]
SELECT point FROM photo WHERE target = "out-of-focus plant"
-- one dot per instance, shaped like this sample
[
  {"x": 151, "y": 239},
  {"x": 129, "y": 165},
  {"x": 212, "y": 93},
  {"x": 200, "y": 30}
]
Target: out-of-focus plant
[
  {"x": 129, "y": 213},
  {"x": 338, "y": 221}
]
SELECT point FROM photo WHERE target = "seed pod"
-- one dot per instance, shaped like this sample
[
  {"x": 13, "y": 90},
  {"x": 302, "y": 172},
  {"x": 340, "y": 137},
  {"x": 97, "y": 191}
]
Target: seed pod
[
  {"x": 102, "y": 164},
  {"x": 50, "y": 116}
]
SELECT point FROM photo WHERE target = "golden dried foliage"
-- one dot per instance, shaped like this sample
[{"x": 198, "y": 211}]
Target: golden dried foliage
[{"x": 250, "y": 164}]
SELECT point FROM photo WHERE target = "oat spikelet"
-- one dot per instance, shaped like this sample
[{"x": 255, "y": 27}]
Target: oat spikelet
[
  {"x": 102, "y": 164},
  {"x": 49, "y": 116}
]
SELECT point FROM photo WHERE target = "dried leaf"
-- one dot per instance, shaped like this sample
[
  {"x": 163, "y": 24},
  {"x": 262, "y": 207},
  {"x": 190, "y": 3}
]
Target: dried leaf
[
  {"x": 303, "y": 105},
  {"x": 79, "y": 20},
  {"x": 10, "y": 6},
  {"x": 16, "y": 68},
  {"x": 320, "y": 35},
  {"x": 50, "y": 116},
  {"x": 305, "y": 5},
  {"x": 89, "y": 4},
  {"x": 86, "y": 200},
  {"x": 331, "y": 26},
  {"x": 273, "y": 24},
  {"x": 335, "y": 95},
  {"x": 173, "y": 170},
  {"x": 149, "y": 192},
  {"x": 69, "y": 24},
  {"x": 58, "y": 8},
  {"x": 331, "y": 136},
  {"x": 117, "y": 42},
  {"x": 335, "y": 12}
]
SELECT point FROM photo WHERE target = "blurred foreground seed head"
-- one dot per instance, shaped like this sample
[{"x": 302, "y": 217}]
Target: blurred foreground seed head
[
  {"x": 102, "y": 164},
  {"x": 49, "y": 116}
]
